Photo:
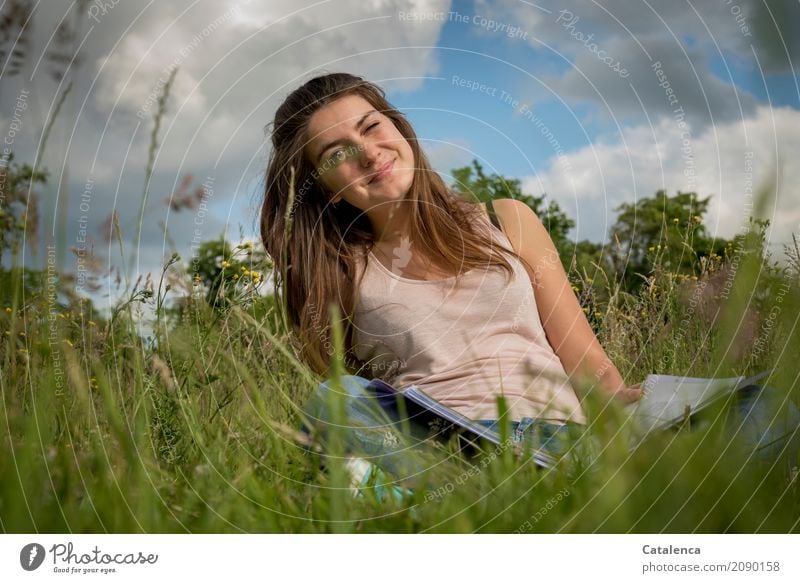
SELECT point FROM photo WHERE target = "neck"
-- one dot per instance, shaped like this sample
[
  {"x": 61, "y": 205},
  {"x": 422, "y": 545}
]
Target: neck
[{"x": 390, "y": 222}]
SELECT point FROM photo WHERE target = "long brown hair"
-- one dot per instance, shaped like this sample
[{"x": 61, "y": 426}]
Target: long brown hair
[{"x": 316, "y": 247}]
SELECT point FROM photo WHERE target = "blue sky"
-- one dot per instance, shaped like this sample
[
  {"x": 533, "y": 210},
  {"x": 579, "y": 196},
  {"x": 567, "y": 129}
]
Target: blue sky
[{"x": 593, "y": 137}]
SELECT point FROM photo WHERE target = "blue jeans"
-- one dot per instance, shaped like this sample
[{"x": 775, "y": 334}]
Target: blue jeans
[{"x": 373, "y": 429}]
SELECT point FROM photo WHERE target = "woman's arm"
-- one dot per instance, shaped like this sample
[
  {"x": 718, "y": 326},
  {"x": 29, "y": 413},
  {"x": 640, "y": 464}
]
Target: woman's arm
[{"x": 564, "y": 322}]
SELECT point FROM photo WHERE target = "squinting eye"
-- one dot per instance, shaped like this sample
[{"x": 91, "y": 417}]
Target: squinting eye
[{"x": 373, "y": 125}]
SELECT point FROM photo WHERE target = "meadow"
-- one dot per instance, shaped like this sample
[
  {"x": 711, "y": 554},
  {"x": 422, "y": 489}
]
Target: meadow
[
  {"x": 189, "y": 423},
  {"x": 176, "y": 407}
]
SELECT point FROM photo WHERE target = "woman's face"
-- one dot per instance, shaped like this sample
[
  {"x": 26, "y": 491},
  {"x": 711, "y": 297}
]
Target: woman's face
[{"x": 359, "y": 154}]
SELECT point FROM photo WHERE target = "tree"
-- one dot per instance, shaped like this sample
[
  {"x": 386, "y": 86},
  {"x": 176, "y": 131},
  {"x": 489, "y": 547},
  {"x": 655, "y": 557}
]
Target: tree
[
  {"x": 662, "y": 229},
  {"x": 472, "y": 180},
  {"x": 19, "y": 208}
]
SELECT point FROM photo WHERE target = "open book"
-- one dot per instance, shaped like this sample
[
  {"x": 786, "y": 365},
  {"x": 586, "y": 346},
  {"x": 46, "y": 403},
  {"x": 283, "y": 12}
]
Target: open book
[
  {"x": 668, "y": 400},
  {"x": 431, "y": 419}
]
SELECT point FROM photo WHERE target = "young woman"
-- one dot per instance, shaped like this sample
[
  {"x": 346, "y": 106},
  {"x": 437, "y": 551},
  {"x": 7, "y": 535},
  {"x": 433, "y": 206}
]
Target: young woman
[{"x": 463, "y": 301}]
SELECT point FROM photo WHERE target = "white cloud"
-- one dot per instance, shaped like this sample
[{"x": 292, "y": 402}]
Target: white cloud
[{"x": 591, "y": 182}]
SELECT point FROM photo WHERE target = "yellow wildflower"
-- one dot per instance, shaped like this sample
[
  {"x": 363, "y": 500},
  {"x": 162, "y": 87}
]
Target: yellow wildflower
[
  {"x": 225, "y": 264},
  {"x": 235, "y": 276},
  {"x": 8, "y": 310},
  {"x": 68, "y": 343}
]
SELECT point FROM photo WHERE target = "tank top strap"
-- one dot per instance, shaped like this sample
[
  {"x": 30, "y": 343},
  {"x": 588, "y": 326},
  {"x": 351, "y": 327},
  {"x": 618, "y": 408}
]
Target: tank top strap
[{"x": 493, "y": 214}]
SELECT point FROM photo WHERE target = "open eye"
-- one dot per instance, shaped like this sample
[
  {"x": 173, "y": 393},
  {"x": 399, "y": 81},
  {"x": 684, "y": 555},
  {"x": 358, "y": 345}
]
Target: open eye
[{"x": 340, "y": 155}]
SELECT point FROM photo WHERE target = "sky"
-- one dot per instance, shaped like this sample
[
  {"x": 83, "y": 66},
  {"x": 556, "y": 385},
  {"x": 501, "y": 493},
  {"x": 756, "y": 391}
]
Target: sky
[{"x": 594, "y": 104}]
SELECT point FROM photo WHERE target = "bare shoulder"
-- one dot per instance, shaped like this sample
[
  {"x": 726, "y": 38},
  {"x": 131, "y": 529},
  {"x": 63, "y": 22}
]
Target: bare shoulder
[{"x": 516, "y": 217}]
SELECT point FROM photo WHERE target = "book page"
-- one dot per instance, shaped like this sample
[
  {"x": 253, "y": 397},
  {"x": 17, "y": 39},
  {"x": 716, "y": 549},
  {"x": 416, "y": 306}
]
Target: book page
[{"x": 668, "y": 399}]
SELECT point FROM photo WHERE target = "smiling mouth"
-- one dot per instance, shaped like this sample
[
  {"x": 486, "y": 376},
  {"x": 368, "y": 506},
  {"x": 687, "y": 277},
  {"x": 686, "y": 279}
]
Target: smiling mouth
[{"x": 382, "y": 172}]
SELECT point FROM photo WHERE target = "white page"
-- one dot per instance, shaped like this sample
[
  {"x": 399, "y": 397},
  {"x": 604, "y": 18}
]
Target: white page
[{"x": 667, "y": 398}]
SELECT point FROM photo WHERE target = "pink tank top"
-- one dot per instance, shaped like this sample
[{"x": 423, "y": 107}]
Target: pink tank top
[{"x": 463, "y": 342}]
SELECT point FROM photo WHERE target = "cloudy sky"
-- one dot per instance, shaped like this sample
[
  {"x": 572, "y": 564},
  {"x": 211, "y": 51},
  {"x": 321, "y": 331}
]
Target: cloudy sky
[{"x": 593, "y": 103}]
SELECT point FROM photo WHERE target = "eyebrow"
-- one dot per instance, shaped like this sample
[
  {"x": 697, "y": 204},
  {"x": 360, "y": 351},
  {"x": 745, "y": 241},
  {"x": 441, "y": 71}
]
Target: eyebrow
[{"x": 341, "y": 141}]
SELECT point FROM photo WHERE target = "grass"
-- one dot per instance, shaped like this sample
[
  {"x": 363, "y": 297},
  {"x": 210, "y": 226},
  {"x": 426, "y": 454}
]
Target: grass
[
  {"x": 194, "y": 429},
  {"x": 105, "y": 432}
]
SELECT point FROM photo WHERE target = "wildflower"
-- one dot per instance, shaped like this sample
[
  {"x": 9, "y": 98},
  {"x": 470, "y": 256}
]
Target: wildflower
[
  {"x": 235, "y": 276},
  {"x": 243, "y": 268},
  {"x": 675, "y": 220},
  {"x": 651, "y": 249},
  {"x": 586, "y": 310},
  {"x": 68, "y": 343},
  {"x": 225, "y": 264},
  {"x": 22, "y": 334},
  {"x": 576, "y": 289},
  {"x": 246, "y": 273},
  {"x": 696, "y": 219},
  {"x": 7, "y": 333},
  {"x": 8, "y": 310},
  {"x": 589, "y": 280}
]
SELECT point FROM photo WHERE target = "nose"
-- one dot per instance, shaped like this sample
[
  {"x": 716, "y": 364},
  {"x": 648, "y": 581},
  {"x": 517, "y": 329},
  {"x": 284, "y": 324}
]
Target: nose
[{"x": 369, "y": 153}]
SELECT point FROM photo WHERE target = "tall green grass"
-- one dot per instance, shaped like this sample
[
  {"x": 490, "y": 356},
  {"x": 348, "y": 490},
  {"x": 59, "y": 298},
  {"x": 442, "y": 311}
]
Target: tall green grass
[
  {"x": 196, "y": 429},
  {"x": 198, "y": 432}
]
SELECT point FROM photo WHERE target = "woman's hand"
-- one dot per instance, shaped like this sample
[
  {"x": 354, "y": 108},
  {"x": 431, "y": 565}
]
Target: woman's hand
[{"x": 629, "y": 394}]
